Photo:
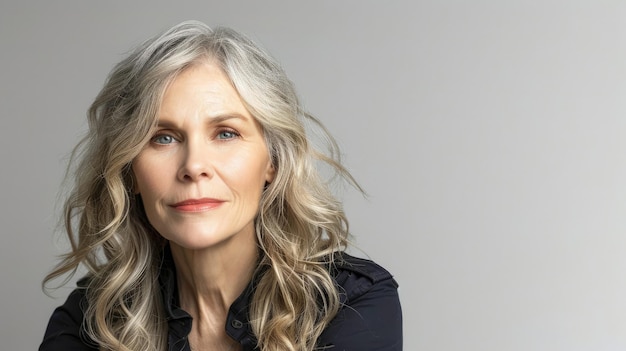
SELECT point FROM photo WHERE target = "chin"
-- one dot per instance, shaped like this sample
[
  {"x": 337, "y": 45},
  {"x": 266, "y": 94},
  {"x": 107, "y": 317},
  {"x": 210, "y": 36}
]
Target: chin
[{"x": 197, "y": 243}]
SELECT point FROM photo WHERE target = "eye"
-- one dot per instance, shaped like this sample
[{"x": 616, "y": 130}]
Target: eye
[
  {"x": 227, "y": 134},
  {"x": 163, "y": 139}
]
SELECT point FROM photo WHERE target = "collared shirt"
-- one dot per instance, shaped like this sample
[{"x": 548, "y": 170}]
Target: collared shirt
[{"x": 370, "y": 317}]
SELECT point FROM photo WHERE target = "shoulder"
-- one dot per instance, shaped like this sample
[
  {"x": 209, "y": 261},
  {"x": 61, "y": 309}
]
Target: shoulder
[
  {"x": 370, "y": 317},
  {"x": 356, "y": 276},
  {"x": 65, "y": 328}
]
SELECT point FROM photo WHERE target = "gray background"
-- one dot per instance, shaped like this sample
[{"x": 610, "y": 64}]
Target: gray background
[{"x": 489, "y": 134}]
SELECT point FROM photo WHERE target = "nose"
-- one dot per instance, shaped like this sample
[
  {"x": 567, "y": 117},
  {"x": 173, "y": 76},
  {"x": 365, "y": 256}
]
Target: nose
[{"x": 196, "y": 162}]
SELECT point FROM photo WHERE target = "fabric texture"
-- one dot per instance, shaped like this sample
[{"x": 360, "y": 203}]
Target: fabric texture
[{"x": 370, "y": 317}]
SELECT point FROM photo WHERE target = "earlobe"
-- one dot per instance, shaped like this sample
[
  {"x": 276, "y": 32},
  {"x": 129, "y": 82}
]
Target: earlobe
[
  {"x": 134, "y": 189},
  {"x": 270, "y": 174}
]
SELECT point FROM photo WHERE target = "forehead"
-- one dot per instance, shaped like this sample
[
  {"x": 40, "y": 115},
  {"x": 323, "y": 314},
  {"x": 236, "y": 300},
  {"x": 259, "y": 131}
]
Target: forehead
[{"x": 202, "y": 88}]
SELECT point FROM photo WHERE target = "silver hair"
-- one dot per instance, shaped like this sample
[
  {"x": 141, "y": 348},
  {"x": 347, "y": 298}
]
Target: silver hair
[{"x": 299, "y": 226}]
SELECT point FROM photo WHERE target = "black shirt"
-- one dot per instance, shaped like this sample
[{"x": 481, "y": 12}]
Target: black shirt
[{"x": 370, "y": 317}]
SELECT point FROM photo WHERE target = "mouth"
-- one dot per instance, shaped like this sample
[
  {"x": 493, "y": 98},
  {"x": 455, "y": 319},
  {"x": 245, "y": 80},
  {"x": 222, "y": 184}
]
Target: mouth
[{"x": 197, "y": 205}]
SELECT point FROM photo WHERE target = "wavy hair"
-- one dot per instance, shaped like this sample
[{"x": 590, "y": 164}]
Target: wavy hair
[{"x": 300, "y": 224}]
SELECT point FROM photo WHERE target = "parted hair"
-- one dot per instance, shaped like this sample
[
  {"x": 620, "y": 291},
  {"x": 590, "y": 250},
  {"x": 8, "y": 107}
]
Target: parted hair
[{"x": 300, "y": 223}]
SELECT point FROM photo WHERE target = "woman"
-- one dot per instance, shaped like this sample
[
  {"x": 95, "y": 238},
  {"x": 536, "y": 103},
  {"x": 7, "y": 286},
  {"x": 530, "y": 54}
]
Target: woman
[{"x": 201, "y": 219}]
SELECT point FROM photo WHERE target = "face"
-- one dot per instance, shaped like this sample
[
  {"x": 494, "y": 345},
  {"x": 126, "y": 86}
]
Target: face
[{"x": 201, "y": 175}]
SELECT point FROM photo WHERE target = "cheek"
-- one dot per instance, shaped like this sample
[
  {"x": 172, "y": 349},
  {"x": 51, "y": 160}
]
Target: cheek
[
  {"x": 147, "y": 179},
  {"x": 247, "y": 172}
]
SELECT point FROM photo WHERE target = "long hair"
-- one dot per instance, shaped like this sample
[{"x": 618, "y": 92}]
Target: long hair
[{"x": 300, "y": 224}]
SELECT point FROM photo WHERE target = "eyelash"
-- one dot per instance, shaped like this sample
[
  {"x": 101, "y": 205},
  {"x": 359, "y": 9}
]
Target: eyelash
[
  {"x": 163, "y": 135},
  {"x": 233, "y": 134},
  {"x": 229, "y": 131}
]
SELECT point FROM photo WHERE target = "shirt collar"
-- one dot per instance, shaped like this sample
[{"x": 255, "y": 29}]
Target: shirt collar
[{"x": 237, "y": 323}]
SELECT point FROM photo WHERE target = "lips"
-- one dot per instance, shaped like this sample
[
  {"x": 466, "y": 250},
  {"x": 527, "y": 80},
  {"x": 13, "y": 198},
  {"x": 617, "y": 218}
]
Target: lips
[{"x": 197, "y": 205}]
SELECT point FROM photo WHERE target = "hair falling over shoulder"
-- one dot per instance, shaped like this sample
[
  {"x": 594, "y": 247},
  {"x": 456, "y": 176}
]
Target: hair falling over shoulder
[{"x": 299, "y": 226}]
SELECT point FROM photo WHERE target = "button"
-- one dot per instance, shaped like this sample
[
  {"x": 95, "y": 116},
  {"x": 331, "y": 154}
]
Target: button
[{"x": 236, "y": 323}]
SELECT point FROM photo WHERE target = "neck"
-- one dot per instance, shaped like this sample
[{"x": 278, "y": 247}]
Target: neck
[{"x": 210, "y": 280}]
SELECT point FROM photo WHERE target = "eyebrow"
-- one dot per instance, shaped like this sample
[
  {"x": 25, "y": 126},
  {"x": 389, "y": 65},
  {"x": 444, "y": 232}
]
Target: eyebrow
[
  {"x": 221, "y": 118},
  {"x": 211, "y": 120}
]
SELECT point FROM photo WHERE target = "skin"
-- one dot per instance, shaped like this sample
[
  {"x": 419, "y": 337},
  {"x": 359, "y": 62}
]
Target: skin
[{"x": 207, "y": 146}]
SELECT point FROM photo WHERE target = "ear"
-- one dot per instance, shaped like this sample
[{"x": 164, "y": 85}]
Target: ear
[
  {"x": 270, "y": 173},
  {"x": 134, "y": 188}
]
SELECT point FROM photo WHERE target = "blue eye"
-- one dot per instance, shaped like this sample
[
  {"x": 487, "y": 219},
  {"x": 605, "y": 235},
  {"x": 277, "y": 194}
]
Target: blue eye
[
  {"x": 163, "y": 139},
  {"x": 227, "y": 134}
]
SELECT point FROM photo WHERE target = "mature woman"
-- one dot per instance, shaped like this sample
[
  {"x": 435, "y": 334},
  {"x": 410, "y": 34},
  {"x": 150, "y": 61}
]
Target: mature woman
[{"x": 201, "y": 219}]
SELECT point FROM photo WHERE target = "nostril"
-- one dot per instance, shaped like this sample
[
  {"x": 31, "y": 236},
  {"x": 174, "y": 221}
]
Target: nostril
[{"x": 188, "y": 175}]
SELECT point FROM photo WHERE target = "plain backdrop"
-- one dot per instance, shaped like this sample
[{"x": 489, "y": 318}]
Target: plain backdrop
[{"x": 490, "y": 136}]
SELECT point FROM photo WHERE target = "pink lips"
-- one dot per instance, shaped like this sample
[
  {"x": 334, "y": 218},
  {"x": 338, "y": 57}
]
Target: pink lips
[{"x": 197, "y": 205}]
